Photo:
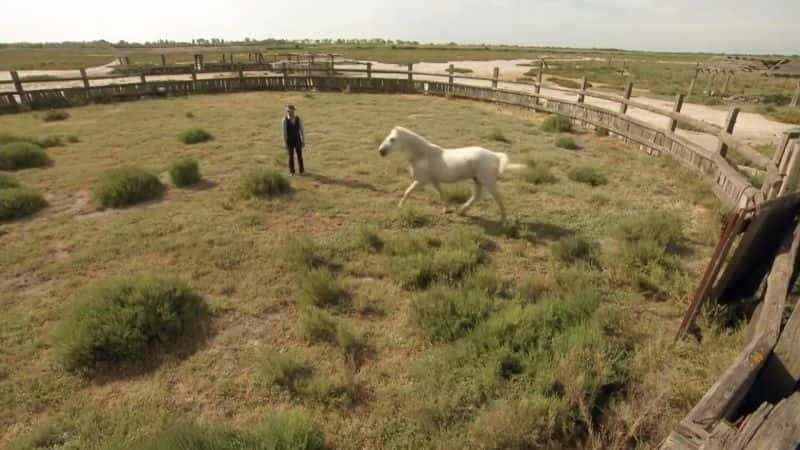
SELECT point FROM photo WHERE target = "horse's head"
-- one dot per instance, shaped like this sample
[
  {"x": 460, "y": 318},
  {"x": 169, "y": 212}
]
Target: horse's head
[{"x": 390, "y": 143}]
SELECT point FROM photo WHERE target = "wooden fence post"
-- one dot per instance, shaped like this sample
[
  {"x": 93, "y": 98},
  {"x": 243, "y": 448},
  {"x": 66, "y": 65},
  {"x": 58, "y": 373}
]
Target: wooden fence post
[
  {"x": 230, "y": 58},
  {"x": 285, "y": 67},
  {"x": 142, "y": 79},
  {"x": 796, "y": 98},
  {"x": 333, "y": 70},
  {"x": 789, "y": 183},
  {"x": 241, "y": 79},
  {"x": 537, "y": 89},
  {"x": 710, "y": 83},
  {"x": 18, "y": 87},
  {"x": 727, "y": 83},
  {"x": 584, "y": 83},
  {"x": 694, "y": 80},
  {"x": 194, "y": 77},
  {"x": 451, "y": 70},
  {"x": 623, "y": 107},
  {"x": 730, "y": 122},
  {"x": 163, "y": 60},
  {"x": 673, "y": 124},
  {"x": 311, "y": 66},
  {"x": 127, "y": 61},
  {"x": 224, "y": 59},
  {"x": 85, "y": 82},
  {"x": 410, "y": 72},
  {"x": 369, "y": 70},
  {"x": 495, "y": 76}
]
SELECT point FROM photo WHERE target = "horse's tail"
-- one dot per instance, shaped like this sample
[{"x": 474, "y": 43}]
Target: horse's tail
[{"x": 505, "y": 164}]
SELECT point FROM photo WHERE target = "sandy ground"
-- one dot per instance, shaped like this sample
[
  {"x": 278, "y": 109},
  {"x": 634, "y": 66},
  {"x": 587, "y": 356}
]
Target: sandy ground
[{"x": 750, "y": 127}]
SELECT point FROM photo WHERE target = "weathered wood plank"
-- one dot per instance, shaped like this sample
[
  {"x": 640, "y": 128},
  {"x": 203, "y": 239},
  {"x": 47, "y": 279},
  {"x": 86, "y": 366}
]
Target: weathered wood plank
[
  {"x": 781, "y": 429},
  {"x": 724, "y": 397},
  {"x": 781, "y": 374},
  {"x": 743, "y": 274},
  {"x": 750, "y": 426},
  {"x": 721, "y": 437}
]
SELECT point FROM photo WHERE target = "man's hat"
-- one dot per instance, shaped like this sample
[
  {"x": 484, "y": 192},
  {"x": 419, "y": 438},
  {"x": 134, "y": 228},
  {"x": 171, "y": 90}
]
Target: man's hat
[{"x": 290, "y": 107}]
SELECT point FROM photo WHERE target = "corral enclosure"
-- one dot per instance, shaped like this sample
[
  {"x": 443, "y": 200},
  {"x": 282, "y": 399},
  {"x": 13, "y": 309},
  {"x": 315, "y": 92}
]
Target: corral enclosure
[{"x": 408, "y": 376}]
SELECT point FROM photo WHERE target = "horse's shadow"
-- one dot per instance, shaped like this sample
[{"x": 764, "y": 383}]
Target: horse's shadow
[
  {"x": 530, "y": 231},
  {"x": 353, "y": 184}
]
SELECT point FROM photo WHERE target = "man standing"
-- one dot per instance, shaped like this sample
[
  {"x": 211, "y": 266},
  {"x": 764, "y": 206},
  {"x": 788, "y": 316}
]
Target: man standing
[{"x": 293, "y": 138}]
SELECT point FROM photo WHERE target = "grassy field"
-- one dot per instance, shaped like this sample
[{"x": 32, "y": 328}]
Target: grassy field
[{"x": 388, "y": 329}]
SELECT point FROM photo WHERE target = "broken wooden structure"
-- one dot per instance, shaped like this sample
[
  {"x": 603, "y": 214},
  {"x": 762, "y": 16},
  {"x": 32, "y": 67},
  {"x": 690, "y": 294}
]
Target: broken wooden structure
[{"x": 754, "y": 405}]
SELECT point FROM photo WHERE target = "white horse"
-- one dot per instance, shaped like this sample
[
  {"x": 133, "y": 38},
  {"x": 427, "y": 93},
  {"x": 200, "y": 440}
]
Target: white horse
[{"x": 430, "y": 163}]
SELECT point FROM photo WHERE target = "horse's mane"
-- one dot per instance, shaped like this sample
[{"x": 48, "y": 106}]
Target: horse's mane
[{"x": 416, "y": 137}]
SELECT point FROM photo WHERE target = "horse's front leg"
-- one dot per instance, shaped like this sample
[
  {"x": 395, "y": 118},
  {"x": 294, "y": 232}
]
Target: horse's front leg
[{"x": 408, "y": 192}]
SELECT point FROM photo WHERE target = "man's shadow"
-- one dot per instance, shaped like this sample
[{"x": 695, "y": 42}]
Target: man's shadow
[{"x": 352, "y": 184}]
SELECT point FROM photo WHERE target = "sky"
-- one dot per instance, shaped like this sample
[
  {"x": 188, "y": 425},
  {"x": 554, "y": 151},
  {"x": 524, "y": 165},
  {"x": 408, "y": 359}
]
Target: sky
[{"x": 720, "y": 26}]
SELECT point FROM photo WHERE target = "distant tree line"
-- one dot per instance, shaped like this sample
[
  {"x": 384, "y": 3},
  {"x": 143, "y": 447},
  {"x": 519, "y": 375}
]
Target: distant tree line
[{"x": 216, "y": 41}]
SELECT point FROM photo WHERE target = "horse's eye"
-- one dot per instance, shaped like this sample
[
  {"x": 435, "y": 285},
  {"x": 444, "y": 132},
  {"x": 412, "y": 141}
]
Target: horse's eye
[{"x": 391, "y": 140}]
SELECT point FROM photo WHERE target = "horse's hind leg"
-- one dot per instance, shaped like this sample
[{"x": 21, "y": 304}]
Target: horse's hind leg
[
  {"x": 441, "y": 194},
  {"x": 408, "y": 192},
  {"x": 499, "y": 199},
  {"x": 475, "y": 197}
]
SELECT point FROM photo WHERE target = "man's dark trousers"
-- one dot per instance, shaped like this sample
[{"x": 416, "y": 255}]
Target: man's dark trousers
[{"x": 293, "y": 148}]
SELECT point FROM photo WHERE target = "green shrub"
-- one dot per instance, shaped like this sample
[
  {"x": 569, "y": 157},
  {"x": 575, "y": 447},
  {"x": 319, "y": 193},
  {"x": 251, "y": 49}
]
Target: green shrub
[
  {"x": 368, "y": 238},
  {"x": 445, "y": 314},
  {"x": 451, "y": 263},
  {"x": 305, "y": 254},
  {"x": 534, "y": 422},
  {"x": 352, "y": 344},
  {"x": 285, "y": 430},
  {"x": 410, "y": 217},
  {"x": 194, "y": 136},
  {"x": 664, "y": 227},
  {"x": 55, "y": 115},
  {"x": 123, "y": 317},
  {"x": 539, "y": 174},
  {"x": 321, "y": 288},
  {"x": 126, "y": 186},
  {"x": 289, "y": 370},
  {"x": 556, "y": 123},
  {"x": 264, "y": 183},
  {"x": 51, "y": 141},
  {"x": 7, "y": 181},
  {"x": 601, "y": 132},
  {"x": 16, "y": 202},
  {"x": 575, "y": 248},
  {"x": 588, "y": 175},
  {"x": 486, "y": 281},
  {"x": 498, "y": 135},
  {"x": 566, "y": 142},
  {"x": 184, "y": 172},
  {"x": 22, "y": 155},
  {"x": 650, "y": 237},
  {"x": 316, "y": 325},
  {"x": 533, "y": 287}
]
